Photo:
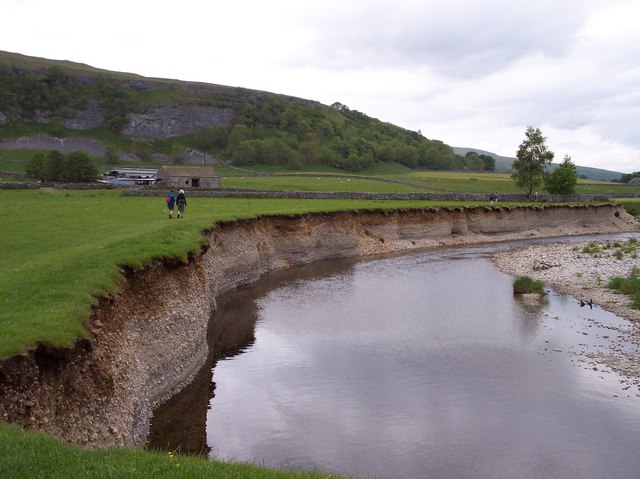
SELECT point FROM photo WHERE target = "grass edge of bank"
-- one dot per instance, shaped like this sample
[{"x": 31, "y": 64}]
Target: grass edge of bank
[{"x": 27, "y": 454}]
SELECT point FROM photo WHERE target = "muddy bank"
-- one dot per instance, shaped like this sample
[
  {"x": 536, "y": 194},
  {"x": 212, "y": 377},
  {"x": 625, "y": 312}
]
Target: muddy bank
[{"x": 149, "y": 339}]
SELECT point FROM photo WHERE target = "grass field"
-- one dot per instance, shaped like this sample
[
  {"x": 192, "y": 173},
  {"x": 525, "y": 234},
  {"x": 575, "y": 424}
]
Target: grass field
[
  {"x": 316, "y": 183},
  {"x": 632, "y": 205},
  {"x": 432, "y": 181}
]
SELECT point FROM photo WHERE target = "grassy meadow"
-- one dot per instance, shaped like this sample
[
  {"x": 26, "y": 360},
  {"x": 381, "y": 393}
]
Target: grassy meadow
[{"x": 432, "y": 181}]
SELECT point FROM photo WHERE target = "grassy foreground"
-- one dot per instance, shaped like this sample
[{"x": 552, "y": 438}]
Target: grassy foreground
[{"x": 28, "y": 454}]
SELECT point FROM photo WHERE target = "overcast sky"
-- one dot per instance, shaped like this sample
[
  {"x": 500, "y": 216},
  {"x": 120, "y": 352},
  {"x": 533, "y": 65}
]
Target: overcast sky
[{"x": 470, "y": 73}]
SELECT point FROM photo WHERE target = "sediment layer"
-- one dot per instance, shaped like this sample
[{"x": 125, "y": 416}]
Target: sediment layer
[{"x": 149, "y": 339}]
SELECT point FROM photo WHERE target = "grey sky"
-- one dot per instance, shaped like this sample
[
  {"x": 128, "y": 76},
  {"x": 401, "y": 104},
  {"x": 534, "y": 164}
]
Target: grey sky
[{"x": 468, "y": 73}]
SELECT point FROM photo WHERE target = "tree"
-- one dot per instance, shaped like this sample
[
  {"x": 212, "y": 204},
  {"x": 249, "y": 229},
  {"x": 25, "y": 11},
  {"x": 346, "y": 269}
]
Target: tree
[
  {"x": 564, "y": 178},
  {"x": 489, "y": 162},
  {"x": 34, "y": 166},
  {"x": 78, "y": 167},
  {"x": 238, "y": 134},
  {"x": 53, "y": 166},
  {"x": 177, "y": 150},
  {"x": 111, "y": 155},
  {"x": 142, "y": 149},
  {"x": 533, "y": 158},
  {"x": 473, "y": 162}
]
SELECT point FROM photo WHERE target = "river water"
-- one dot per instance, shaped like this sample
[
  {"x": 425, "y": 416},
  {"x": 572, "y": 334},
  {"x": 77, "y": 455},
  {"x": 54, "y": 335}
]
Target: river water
[{"x": 420, "y": 365}]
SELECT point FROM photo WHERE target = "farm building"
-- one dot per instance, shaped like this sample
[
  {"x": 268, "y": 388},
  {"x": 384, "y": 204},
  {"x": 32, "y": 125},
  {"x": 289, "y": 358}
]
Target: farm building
[
  {"x": 130, "y": 177},
  {"x": 188, "y": 177}
]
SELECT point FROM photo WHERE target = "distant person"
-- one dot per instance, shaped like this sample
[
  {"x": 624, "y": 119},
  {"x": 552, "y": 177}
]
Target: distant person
[
  {"x": 171, "y": 202},
  {"x": 181, "y": 201}
]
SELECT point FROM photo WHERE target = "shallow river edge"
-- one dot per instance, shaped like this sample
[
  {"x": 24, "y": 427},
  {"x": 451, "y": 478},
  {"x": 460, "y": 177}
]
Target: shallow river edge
[{"x": 148, "y": 340}]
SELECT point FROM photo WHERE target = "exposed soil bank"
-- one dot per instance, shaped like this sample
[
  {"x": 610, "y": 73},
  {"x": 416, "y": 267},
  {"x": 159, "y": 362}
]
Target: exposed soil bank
[{"x": 150, "y": 338}]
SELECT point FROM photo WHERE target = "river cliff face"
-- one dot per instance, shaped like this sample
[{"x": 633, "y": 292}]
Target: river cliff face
[{"x": 148, "y": 340}]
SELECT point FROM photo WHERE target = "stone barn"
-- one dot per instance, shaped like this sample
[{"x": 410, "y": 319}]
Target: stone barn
[{"x": 188, "y": 177}]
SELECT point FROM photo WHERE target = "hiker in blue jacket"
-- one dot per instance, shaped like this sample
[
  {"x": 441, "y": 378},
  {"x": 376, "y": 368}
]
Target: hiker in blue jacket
[{"x": 171, "y": 202}]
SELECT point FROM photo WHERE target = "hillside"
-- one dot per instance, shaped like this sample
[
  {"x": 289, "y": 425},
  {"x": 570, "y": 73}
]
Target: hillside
[
  {"x": 133, "y": 117},
  {"x": 503, "y": 164},
  {"x": 59, "y": 104}
]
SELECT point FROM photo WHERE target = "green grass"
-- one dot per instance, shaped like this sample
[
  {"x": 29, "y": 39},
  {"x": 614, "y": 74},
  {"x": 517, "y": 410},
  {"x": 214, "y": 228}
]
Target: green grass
[
  {"x": 28, "y": 454},
  {"x": 62, "y": 249},
  {"x": 631, "y": 205},
  {"x": 316, "y": 183},
  {"x": 629, "y": 286},
  {"x": 377, "y": 169},
  {"x": 526, "y": 285},
  {"x": 615, "y": 249}
]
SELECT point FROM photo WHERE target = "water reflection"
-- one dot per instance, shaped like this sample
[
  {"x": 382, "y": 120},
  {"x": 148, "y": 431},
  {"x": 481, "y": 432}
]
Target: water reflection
[{"x": 417, "y": 366}]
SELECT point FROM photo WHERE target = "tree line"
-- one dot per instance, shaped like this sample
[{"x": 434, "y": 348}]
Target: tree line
[
  {"x": 273, "y": 132},
  {"x": 76, "y": 167}
]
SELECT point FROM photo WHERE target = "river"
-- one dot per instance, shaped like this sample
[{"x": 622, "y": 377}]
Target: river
[{"x": 420, "y": 365}]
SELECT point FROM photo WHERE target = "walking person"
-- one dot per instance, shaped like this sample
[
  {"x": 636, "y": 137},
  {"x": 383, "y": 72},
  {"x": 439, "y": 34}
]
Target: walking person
[
  {"x": 181, "y": 201},
  {"x": 171, "y": 202}
]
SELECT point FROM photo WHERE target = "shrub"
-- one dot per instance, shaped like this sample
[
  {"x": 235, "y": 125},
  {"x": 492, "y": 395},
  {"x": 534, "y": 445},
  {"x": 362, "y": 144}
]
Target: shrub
[
  {"x": 629, "y": 286},
  {"x": 525, "y": 284}
]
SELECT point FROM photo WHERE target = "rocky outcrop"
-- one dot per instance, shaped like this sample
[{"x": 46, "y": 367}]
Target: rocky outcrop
[
  {"x": 46, "y": 142},
  {"x": 167, "y": 121},
  {"x": 146, "y": 341},
  {"x": 153, "y": 124},
  {"x": 91, "y": 117}
]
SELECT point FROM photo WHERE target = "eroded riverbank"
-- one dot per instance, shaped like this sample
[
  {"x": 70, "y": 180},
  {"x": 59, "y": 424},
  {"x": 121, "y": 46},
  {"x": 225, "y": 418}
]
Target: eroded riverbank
[{"x": 147, "y": 341}]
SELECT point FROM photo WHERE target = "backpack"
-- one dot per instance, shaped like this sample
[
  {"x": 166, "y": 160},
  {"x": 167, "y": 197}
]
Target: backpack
[{"x": 168, "y": 199}]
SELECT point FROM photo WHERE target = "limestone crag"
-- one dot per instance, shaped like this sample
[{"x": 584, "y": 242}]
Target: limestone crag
[
  {"x": 46, "y": 142},
  {"x": 155, "y": 123},
  {"x": 167, "y": 121}
]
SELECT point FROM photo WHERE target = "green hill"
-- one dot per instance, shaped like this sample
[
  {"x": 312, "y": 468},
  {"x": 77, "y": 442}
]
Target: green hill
[
  {"x": 124, "y": 116},
  {"x": 158, "y": 119}
]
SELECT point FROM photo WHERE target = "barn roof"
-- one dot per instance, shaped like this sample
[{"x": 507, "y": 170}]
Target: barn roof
[{"x": 191, "y": 171}]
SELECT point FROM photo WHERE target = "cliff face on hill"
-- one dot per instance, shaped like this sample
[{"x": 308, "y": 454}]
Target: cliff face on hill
[
  {"x": 155, "y": 123},
  {"x": 149, "y": 339}
]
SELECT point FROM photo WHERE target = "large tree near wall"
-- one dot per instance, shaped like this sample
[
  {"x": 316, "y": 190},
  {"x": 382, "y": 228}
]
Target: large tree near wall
[{"x": 533, "y": 158}]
